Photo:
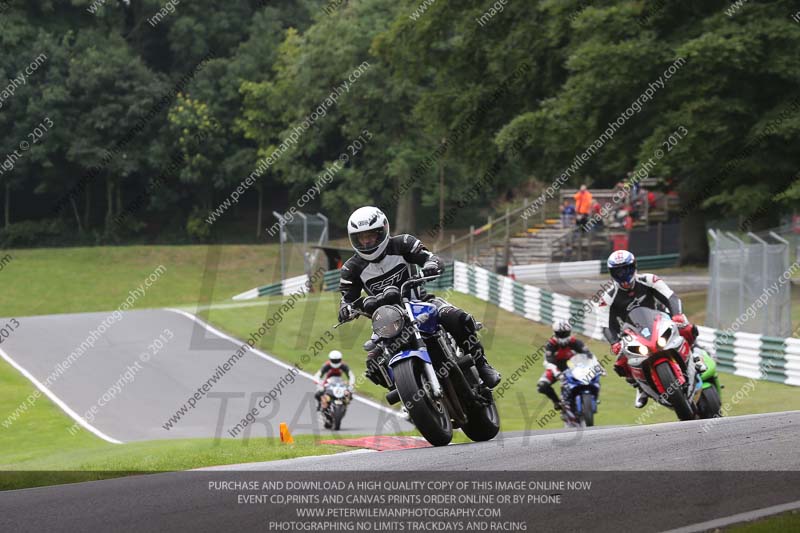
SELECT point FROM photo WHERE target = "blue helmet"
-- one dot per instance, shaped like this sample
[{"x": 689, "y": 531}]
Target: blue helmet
[{"x": 622, "y": 267}]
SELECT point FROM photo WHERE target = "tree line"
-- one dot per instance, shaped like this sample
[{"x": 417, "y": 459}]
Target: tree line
[{"x": 119, "y": 130}]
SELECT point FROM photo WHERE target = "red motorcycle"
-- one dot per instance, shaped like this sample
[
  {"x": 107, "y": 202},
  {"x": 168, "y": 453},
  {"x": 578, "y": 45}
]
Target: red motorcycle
[{"x": 661, "y": 363}]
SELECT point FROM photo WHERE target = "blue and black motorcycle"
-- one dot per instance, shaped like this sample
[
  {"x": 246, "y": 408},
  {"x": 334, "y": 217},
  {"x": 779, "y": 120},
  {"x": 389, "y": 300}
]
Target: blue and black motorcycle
[
  {"x": 412, "y": 355},
  {"x": 580, "y": 388}
]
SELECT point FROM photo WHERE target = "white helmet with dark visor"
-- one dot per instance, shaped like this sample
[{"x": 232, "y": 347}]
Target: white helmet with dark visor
[{"x": 368, "y": 229}]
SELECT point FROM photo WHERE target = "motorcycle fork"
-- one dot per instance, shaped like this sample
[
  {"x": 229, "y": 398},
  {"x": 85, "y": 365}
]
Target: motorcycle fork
[{"x": 451, "y": 377}]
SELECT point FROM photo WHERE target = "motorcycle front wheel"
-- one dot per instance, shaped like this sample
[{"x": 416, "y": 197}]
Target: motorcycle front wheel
[
  {"x": 675, "y": 395},
  {"x": 428, "y": 414},
  {"x": 586, "y": 409},
  {"x": 338, "y": 414}
]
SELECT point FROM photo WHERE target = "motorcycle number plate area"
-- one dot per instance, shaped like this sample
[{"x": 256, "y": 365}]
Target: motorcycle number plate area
[{"x": 426, "y": 315}]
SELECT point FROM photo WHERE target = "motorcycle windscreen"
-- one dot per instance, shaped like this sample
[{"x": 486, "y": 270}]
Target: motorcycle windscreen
[
  {"x": 641, "y": 320},
  {"x": 583, "y": 368}
]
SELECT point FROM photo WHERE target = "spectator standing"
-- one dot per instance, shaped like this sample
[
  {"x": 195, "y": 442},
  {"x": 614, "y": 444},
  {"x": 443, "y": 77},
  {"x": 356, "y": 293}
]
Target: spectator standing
[
  {"x": 567, "y": 214},
  {"x": 597, "y": 215},
  {"x": 583, "y": 205},
  {"x": 651, "y": 200}
]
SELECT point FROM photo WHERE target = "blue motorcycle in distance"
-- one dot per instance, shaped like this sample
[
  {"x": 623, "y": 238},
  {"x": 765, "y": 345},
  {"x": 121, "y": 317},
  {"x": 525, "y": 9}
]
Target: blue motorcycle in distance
[
  {"x": 580, "y": 388},
  {"x": 412, "y": 355}
]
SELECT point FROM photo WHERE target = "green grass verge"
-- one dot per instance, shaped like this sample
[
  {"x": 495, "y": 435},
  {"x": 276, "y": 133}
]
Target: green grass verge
[
  {"x": 784, "y": 522},
  {"x": 39, "y": 450},
  {"x": 100, "y": 460},
  {"x": 72, "y": 280}
]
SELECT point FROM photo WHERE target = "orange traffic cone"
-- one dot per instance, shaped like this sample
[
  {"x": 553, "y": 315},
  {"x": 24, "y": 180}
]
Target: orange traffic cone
[{"x": 286, "y": 437}]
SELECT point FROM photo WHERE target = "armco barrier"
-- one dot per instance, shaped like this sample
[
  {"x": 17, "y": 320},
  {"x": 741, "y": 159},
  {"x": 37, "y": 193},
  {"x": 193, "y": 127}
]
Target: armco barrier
[
  {"x": 285, "y": 287},
  {"x": 743, "y": 354}
]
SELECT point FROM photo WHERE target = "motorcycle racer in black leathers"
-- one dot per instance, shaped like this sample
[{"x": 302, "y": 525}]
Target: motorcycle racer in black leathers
[
  {"x": 632, "y": 290},
  {"x": 382, "y": 261}
]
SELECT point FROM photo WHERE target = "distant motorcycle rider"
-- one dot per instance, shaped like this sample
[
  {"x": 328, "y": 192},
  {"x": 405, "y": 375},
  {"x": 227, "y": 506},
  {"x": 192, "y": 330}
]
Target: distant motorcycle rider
[
  {"x": 384, "y": 261},
  {"x": 333, "y": 367},
  {"x": 560, "y": 348},
  {"x": 632, "y": 290}
]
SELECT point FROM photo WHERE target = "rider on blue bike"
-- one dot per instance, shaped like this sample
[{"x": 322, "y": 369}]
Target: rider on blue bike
[
  {"x": 384, "y": 261},
  {"x": 560, "y": 348}
]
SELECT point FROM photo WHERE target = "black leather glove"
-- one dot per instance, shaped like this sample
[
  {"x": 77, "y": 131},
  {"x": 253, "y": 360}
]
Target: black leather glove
[
  {"x": 345, "y": 312},
  {"x": 430, "y": 268}
]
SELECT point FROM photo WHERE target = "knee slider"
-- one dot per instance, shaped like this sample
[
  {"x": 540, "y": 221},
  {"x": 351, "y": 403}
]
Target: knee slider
[
  {"x": 468, "y": 322},
  {"x": 542, "y": 386}
]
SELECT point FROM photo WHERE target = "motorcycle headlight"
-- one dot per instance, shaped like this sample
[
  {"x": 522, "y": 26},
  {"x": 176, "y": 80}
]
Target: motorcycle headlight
[
  {"x": 387, "y": 322},
  {"x": 666, "y": 335},
  {"x": 637, "y": 348}
]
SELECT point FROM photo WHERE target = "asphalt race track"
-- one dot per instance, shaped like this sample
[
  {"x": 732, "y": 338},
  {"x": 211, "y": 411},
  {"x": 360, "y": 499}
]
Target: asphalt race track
[
  {"x": 752, "y": 442},
  {"x": 158, "y": 384},
  {"x": 644, "y": 478}
]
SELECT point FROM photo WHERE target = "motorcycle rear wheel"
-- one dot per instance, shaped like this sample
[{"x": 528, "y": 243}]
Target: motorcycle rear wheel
[
  {"x": 483, "y": 423},
  {"x": 709, "y": 403},
  {"x": 675, "y": 397},
  {"x": 428, "y": 414}
]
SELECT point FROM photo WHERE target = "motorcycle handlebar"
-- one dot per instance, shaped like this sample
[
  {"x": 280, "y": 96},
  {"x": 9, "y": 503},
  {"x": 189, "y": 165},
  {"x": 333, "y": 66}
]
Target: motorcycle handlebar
[{"x": 417, "y": 280}]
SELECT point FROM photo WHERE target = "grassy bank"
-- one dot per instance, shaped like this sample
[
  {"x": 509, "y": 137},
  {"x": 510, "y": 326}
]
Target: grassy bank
[{"x": 71, "y": 280}]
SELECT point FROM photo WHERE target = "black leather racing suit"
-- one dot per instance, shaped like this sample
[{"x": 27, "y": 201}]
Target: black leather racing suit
[
  {"x": 649, "y": 291},
  {"x": 398, "y": 264}
]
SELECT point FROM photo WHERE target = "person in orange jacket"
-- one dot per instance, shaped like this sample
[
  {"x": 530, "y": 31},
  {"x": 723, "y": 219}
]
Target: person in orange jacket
[{"x": 583, "y": 205}]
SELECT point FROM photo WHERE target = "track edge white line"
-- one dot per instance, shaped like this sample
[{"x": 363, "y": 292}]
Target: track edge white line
[
  {"x": 738, "y": 518},
  {"x": 58, "y": 401}
]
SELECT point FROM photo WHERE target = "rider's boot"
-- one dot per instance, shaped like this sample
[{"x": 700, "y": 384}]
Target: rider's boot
[
  {"x": 641, "y": 396},
  {"x": 546, "y": 388},
  {"x": 699, "y": 359},
  {"x": 489, "y": 375},
  {"x": 464, "y": 329}
]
